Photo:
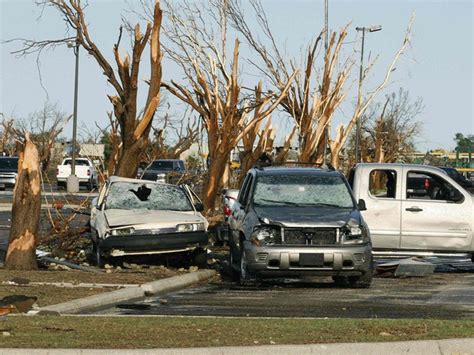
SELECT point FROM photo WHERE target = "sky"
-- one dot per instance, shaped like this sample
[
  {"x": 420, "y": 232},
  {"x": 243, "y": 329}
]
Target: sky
[{"x": 438, "y": 66}]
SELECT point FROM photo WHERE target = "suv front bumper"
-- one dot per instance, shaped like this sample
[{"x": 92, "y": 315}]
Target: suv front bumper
[{"x": 280, "y": 261}]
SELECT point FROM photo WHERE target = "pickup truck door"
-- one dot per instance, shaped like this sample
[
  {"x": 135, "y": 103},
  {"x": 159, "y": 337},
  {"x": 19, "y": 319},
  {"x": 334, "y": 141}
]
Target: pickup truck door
[
  {"x": 431, "y": 219},
  {"x": 381, "y": 190}
]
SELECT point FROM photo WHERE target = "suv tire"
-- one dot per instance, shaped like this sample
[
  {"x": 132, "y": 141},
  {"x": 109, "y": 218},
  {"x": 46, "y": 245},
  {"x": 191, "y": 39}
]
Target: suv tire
[
  {"x": 364, "y": 280},
  {"x": 247, "y": 278}
]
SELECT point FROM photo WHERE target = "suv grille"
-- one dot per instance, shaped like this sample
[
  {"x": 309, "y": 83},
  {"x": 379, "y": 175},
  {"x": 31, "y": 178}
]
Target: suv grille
[{"x": 310, "y": 236}]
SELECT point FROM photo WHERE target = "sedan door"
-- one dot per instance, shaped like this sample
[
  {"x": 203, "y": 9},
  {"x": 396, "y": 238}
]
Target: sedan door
[{"x": 432, "y": 218}]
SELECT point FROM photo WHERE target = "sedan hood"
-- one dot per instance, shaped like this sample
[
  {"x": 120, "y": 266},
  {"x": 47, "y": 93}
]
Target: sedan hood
[
  {"x": 118, "y": 218},
  {"x": 309, "y": 216}
]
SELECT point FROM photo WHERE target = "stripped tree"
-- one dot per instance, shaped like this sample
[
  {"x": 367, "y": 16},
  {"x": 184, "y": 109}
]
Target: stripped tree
[
  {"x": 312, "y": 100},
  {"x": 26, "y": 209},
  {"x": 134, "y": 126},
  {"x": 213, "y": 89}
]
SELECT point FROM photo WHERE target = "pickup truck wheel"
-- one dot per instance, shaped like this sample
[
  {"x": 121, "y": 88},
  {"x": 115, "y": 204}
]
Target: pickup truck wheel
[{"x": 246, "y": 277}]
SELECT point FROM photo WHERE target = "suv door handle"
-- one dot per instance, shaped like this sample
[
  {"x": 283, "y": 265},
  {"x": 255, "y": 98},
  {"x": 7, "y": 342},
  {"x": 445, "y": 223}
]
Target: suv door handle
[{"x": 414, "y": 209}]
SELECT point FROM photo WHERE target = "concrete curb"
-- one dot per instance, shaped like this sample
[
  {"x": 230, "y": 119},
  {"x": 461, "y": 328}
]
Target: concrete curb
[
  {"x": 105, "y": 300},
  {"x": 431, "y": 347}
]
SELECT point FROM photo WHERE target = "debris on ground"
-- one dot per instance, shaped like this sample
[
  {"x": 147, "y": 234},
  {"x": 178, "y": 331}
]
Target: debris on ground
[
  {"x": 18, "y": 303},
  {"x": 409, "y": 267}
]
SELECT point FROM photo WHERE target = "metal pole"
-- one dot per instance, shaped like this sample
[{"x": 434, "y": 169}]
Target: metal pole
[
  {"x": 361, "y": 73},
  {"x": 74, "y": 119},
  {"x": 326, "y": 40}
]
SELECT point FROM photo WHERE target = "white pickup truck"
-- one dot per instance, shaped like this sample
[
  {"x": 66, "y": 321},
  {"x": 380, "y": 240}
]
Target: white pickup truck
[
  {"x": 414, "y": 210},
  {"x": 85, "y": 171}
]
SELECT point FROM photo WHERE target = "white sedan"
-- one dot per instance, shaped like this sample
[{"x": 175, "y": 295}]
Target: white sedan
[{"x": 137, "y": 217}]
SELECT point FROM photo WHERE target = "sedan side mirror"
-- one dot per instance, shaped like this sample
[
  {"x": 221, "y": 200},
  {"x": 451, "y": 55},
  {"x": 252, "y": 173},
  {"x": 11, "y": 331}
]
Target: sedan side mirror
[
  {"x": 361, "y": 205},
  {"x": 199, "y": 207}
]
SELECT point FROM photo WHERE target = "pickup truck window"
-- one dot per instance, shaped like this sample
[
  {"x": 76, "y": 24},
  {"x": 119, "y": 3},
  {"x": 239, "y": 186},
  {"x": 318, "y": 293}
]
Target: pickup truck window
[
  {"x": 80, "y": 162},
  {"x": 243, "y": 189},
  {"x": 427, "y": 186},
  {"x": 383, "y": 183},
  {"x": 302, "y": 190}
]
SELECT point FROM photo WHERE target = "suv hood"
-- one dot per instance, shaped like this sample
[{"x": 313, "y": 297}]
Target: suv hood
[
  {"x": 118, "y": 218},
  {"x": 309, "y": 216}
]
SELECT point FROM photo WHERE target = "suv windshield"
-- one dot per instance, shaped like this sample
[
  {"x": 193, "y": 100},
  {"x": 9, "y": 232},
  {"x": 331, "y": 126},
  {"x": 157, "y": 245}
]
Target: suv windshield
[
  {"x": 161, "y": 165},
  {"x": 132, "y": 196},
  {"x": 302, "y": 190},
  {"x": 9, "y": 163}
]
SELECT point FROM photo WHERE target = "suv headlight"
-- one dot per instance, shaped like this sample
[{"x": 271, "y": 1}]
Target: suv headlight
[
  {"x": 191, "y": 227},
  {"x": 265, "y": 235},
  {"x": 355, "y": 235},
  {"x": 122, "y": 231}
]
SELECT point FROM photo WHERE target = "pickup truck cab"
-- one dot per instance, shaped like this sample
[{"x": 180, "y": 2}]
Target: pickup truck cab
[
  {"x": 85, "y": 171},
  {"x": 414, "y": 209}
]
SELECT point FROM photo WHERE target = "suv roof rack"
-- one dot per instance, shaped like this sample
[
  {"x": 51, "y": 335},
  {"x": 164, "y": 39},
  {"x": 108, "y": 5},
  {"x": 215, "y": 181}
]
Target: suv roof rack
[{"x": 260, "y": 166}]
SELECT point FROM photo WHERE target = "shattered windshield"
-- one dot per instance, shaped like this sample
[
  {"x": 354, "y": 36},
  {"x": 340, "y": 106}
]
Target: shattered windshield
[
  {"x": 302, "y": 190},
  {"x": 132, "y": 196}
]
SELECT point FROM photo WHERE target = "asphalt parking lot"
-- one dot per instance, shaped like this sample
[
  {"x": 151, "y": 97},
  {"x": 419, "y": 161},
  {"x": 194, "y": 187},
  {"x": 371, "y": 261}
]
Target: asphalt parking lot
[{"x": 447, "y": 294}]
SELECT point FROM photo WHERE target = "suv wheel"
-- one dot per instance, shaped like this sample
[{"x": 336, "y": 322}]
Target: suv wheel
[
  {"x": 362, "y": 281},
  {"x": 246, "y": 277}
]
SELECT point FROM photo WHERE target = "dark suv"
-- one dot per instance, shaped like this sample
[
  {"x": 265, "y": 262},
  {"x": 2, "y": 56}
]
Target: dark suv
[
  {"x": 163, "y": 170},
  {"x": 296, "y": 221}
]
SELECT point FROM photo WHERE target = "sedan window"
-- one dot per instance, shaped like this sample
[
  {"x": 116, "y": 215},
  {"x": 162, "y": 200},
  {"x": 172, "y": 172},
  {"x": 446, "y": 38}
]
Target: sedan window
[
  {"x": 132, "y": 196},
  {"x": 302, "y": 190}
]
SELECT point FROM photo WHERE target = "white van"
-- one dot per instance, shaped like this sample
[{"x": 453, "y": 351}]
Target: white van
[{"x": 414, "y": 210}]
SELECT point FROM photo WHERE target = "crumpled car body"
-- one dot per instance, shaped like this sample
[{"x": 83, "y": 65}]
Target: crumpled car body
[{"x": 136, "y": 217}]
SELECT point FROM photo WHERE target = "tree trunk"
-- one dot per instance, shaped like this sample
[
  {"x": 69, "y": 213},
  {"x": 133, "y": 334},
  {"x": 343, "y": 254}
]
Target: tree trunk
[
  {"x": 213, "y": 182},
  {"x": 26, "y": 210},
  {"x": 128, "y": 164}
]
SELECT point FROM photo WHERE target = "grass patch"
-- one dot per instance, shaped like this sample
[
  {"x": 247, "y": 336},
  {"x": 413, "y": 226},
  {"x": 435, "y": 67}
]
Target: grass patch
[{"x": 166, "y": 332}]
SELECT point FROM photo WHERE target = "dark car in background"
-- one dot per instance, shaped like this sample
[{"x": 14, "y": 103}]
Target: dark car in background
[
  {"x": 163, "y": 170},
  {"x": 8, "y": 171},
  {"x": 458, "y": 177}
]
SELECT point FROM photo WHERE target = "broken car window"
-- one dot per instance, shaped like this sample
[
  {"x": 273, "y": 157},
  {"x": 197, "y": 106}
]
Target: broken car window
[
  {"x": 131, "y": 196},
  {"x": 302, "y": 190}
]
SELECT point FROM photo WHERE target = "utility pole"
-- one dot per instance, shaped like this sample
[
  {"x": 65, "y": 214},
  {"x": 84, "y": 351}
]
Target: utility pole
[{"x": 72, "y": 180}]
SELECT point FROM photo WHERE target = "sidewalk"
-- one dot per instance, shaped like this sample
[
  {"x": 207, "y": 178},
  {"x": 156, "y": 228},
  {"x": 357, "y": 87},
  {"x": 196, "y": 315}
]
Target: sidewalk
[{"x": 431, "y": 347}]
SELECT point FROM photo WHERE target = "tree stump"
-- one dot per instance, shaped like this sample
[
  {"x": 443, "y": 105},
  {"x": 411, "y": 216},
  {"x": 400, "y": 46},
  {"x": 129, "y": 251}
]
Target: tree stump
[{"x": 26, "y": 210}]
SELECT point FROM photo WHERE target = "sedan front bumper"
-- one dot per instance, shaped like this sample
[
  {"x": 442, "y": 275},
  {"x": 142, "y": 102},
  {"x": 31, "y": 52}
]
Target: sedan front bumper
[
  {"x": 153, "y": 243},
  {"x": 281, "y": 261}
]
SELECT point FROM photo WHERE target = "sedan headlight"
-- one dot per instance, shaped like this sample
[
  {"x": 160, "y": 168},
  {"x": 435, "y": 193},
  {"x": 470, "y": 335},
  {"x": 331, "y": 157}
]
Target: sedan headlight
[
  {"x": 355, "y": 235},
  {"x": 122, "y": 231},
  {"x": 266, "y": 235},
  {"x": 191, "y": 227}
]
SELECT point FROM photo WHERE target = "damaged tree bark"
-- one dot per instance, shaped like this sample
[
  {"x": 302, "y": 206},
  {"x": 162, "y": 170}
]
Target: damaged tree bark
[{"x": 26, "y": 210}]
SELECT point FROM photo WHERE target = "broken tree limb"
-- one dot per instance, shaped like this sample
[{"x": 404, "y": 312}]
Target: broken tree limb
[{"x": 71, "y": 265}]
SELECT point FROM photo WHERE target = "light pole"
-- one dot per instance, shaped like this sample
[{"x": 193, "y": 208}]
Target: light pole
[
  {"x": 72, "y": 180},
  {"x": 326, "y": 40},
  {"x": 361, "y": 77}
]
